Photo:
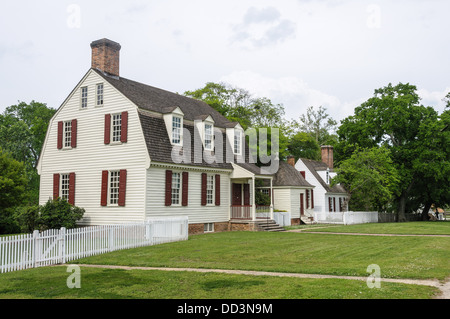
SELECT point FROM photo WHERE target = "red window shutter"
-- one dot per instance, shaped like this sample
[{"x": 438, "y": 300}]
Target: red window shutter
[
  {"x": 340, "y": 204},
  {"x": 334, "y": 204},
  {"x": 104, "y": 196},
  {"x": 122, "y": 186},
  {"x": 168, "y": 188},
  {"x": 124, "y": 128},
  {"x": 312, "y": 198},
  {"x": 185, "y": 189},
  {"x": 246, "y": 194},
  {"x": 307, "y": 198},
  {"x": 55, "y": 186},
  {"x": 204, "y": 181},
  {"x": 107, "y": 128},
  {"x": 73, "y": 141},
  {"x": 72, "y": 188},
  {"x": 217, "y": 180},
  {"x": 329, "y": 204},
  {"x": 60, "y": 135}
]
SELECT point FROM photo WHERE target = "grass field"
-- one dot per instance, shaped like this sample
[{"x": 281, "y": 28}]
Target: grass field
[
  {"x": 412, "y": 228},
  {"x": 416, "y": 257},
  {"x": 50, "y": 283}
]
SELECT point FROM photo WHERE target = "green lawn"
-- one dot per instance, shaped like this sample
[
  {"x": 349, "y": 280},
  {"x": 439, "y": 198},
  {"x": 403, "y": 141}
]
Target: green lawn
[
  {"x": 414, "y": 228},
  {"x": 398, "y": 257},
  {"x": 50, "y": 283}
]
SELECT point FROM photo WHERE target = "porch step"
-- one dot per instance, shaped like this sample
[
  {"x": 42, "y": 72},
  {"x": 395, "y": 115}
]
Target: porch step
[
  {"x": 268, "y": 225},
  {"x": 304, "y": 220}
]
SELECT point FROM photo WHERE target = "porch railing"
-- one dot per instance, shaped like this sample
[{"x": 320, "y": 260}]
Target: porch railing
[
  {"x": 241, "y": 212},
  {"x": 245, "y": 211}
]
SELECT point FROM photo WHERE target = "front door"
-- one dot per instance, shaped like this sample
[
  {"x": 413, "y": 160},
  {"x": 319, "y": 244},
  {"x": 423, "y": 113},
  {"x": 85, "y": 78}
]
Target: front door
[
  {"x": 302, "y": 208},
  {"x": 237, "y": 194}
]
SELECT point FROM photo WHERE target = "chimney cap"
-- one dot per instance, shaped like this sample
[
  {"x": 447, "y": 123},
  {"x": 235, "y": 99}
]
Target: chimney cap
[
  {"x": 106, "y": 42},
  {"x": 326, "y": 146}
]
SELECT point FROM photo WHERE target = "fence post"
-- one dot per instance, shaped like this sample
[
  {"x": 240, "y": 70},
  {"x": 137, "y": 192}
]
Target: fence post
[
  {"x": 111, "y": 238},
  {"x": 35, "y": 248},
  {"x": 62, "y": 246}
]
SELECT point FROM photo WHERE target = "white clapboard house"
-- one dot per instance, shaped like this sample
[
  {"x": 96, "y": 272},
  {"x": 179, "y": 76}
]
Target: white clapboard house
[
  {"x": 327, "y": 199},
  {"x": 117, "y": 148}
]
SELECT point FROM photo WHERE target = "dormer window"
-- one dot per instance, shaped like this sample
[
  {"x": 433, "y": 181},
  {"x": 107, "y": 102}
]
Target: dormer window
[
  {"x": 237, "y": 142},
  {"x": 209, "y": 136},
  {"x": 176, "y": 130}
]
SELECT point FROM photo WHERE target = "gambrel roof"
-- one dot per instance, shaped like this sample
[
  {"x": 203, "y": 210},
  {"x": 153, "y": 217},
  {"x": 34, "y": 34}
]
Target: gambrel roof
[{"x": 161, "y": 101}]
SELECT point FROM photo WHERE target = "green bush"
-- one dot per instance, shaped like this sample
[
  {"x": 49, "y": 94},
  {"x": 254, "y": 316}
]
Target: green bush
[
  {"x": 59, "y": 213},
  {"x": 27, "y": 218},
  {"x": 8, "y": 224}
]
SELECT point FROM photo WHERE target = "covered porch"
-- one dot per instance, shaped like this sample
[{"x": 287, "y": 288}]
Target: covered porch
[{"x": 243, "y": 206}]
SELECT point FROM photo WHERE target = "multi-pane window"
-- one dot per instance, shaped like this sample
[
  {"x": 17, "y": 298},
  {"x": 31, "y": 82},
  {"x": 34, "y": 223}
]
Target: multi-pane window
[
  {"x": 68, "y": 134},
  {"x": 116, "y": 127},
  {"x": 210, "y": 189},
  {"x": 84, "y": 97},
  {"x": 176, "y": 188},
  {"x": 208, "y": 136},
  {"x": 208, "y": 227},
  {"x": 114, "y": 180},
  {"x": 65, "y": 186},
  {"x": 99, "y": 94},
  {"x": 237, "y": 141},
  {"x": 176, "y": 130}
]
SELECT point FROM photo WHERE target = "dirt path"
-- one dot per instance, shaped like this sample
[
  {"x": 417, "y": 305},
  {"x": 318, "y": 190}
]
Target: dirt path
[{"x": 443, "y": 287}]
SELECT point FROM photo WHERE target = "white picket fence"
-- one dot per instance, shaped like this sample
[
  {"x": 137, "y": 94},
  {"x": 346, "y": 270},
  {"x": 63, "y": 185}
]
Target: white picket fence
[{"x": 57, "y": 246}]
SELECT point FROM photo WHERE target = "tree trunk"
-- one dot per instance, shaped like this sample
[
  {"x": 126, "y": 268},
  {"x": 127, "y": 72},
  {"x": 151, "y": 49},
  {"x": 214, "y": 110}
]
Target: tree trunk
[
  {"x": 425, "y": 211},
  {"x": 401, "y": 208}
]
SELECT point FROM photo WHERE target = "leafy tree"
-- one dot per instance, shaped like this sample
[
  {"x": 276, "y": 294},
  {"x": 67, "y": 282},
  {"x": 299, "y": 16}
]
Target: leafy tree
[
  {"x": 317, "y": 123},
  {"x": 391, "y": 118},
  {"x": 370, "y": 179},
  {"x": 304, "y": 145},
  {"x": 23, "y": 128},
  {"x": 13, "y": 182}
]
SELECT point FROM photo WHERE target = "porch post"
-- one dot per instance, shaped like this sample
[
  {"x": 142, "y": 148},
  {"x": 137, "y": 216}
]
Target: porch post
[
  {"x": 271, "y": 200},
  {"x": 253, "y": 199}
]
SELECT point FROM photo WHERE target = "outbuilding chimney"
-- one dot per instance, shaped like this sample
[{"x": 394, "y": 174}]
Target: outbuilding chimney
[
  {"x": 327, "y": 155},
  {"x": 291, "y": 160},
  {"x": 105, "y": 56}
]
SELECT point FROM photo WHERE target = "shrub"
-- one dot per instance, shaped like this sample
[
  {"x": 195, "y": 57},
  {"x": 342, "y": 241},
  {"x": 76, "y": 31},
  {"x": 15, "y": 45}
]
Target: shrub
[
  {"x": 27, "y": 218},
  {"x": 59, "y": 213}
]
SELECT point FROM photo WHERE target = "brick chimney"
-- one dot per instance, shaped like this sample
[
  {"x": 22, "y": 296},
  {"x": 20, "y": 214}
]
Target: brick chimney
[
  {"x": 291, "y": 160},
  {"x": 105, "y": 56},
  {"x": 327, "y": 155}
]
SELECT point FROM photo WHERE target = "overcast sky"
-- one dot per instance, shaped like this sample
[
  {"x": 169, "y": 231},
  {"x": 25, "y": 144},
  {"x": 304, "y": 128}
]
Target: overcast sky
[{"x": 299, "y": 53}]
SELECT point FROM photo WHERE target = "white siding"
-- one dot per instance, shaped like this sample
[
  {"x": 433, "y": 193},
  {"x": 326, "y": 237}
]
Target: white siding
[
  {"x": 282, "y": 199},
  {"x": 92, "y": 156},
  {"x": 320, "y": 205},
  {"x": 156, "y": 180}
]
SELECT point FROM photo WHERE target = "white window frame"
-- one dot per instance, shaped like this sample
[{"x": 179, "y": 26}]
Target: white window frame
[
  {"x": 208, "y": 137},
  {"x": 113, "y": 187},
  {"x": 210, "y": 189},
  {"x": 67, "y": 134},
  {"x": 84, "y": 97},
  {"x": 64, "y": 186},
  {"x": 179, "y": 130},
  {"x": 116, "y": 128},
  {"x": 99, "y": 94},
  {"x": 176, "y": 191},
  {"x": 208, "y": 227},
  {"x": 237, "y": 142}
]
